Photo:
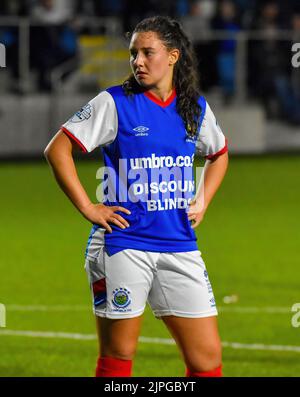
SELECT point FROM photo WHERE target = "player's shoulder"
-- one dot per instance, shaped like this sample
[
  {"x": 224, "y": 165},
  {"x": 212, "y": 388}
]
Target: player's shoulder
[
  {"x": 116, "y": 91},
  {"x": 107, "y": 96}
]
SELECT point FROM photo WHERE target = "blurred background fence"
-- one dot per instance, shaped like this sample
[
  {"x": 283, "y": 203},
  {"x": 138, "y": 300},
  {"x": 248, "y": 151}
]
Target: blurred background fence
[{"x": 60, "y": 54}]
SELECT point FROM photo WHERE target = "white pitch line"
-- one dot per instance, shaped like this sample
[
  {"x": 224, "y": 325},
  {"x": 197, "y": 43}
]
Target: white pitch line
[
  {"x": 47, "y": 334},
  {"x": 158, "y": 341},
  {"x": 46, "y": 308},
  {"x": 70, "y": 308},
  {"x": 245, "y": 309},
  {"x": 144, "y": 339},
  {"x": 259, "y": 346}
]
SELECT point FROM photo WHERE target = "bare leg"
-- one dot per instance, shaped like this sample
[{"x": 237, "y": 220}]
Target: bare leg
[
  {"x": 198, "y": 340},
  {"x": 118, "y": 338}
]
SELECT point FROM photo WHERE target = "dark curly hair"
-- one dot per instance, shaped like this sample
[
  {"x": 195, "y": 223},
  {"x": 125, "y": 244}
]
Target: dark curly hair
[{"x": 185, "y": 77}]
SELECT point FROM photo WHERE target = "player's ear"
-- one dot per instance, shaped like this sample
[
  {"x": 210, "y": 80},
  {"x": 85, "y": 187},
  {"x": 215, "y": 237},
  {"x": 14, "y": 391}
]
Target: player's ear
[{"x": 173, "y": 56}]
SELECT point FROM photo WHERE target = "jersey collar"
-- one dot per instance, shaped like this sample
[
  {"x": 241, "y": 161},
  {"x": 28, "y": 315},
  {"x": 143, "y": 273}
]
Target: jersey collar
[{"x": 159, "y": 101}]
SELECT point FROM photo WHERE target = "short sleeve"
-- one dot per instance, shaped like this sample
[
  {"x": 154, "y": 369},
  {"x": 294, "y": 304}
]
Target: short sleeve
[
  {"x": 95, "y": 124},
  {"x": 211, "y": 141}
]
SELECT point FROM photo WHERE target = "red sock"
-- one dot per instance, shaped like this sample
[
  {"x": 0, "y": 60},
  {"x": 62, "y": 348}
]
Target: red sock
[
  {"x": 113, "y": 367},
  {"x": 215, "y": 373}
]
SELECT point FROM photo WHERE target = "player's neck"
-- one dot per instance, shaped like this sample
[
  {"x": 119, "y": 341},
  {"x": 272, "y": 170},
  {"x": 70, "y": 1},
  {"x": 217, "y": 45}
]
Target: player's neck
[{"x": 162, "y": 93}]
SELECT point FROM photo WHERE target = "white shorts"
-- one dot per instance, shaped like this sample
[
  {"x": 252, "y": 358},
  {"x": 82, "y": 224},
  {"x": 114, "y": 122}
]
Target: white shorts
[{"x": 173, "y": 284}]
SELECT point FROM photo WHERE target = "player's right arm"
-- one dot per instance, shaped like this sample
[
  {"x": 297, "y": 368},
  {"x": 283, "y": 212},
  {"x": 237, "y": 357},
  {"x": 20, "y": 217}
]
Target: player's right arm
[{"x": 59, "y": 154}]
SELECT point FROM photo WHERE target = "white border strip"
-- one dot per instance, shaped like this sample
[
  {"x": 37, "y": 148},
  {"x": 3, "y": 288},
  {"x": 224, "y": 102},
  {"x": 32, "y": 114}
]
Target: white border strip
[{"x": 143, "y": 339}]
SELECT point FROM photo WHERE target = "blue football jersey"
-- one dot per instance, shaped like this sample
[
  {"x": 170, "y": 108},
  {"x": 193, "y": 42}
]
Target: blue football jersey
[{"x": 148, "y": 159}]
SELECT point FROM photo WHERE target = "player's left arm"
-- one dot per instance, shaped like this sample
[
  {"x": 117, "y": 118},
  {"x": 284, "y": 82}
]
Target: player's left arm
[{"x": 211, "y": 179}]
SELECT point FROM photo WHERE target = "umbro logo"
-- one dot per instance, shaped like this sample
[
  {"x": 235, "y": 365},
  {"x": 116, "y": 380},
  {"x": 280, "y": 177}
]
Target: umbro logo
[{"x": 141, "y": 130}]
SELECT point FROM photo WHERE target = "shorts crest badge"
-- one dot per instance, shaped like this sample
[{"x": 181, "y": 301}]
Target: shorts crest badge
[{"x": 121, "y": 298}]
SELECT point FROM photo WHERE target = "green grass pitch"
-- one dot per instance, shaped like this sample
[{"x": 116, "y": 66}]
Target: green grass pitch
[{"x": 249, "y": 240}]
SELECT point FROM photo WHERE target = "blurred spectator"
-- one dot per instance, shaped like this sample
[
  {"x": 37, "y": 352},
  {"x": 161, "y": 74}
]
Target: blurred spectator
[
  {"x": 104, "y": 8},
  {"x": 13, "y": 7},
  {"x": 296, "y": 71},
  {"x": 272, "y": 63},
  {"x": 9, "y": 36},
  {"x": 247, "y": 12},
  {"x": 53, "y": 39},
  {"x": 182, "y": 8},
  {"x": 52, "y": 11},
  {"x": 201, "y": 13},
  {"x": 197, "y": 24},
  {"x": 227, "y": 21},
  {"x": 134, "y": 11}
]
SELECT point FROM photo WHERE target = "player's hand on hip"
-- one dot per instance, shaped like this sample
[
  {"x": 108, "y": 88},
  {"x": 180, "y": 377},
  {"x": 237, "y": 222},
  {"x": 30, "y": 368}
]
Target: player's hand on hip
[
  {"x": 102, "y": 215},
  {"x": 195, "y": 213}
]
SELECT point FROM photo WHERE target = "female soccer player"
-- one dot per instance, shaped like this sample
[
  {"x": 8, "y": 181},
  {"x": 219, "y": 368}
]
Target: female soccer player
[{"x": 142, "y": 246}]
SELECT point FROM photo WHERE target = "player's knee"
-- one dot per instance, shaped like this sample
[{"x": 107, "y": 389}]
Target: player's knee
[
  {"x": 120, "y": 352},
  {"x": 206, "y": 359}
]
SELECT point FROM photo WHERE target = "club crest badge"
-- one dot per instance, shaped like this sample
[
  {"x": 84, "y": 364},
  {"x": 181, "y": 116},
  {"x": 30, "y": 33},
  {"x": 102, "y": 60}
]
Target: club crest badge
[{"x": 121, "y": 298}]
